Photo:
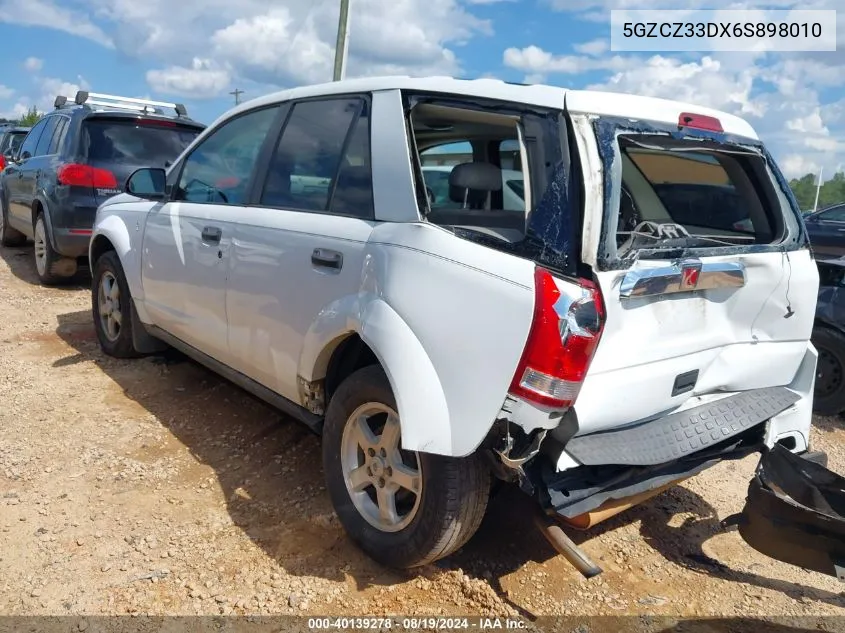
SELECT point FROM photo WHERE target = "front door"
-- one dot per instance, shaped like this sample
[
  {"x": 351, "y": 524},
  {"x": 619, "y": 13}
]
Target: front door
[{"x": 188, "y": 241}]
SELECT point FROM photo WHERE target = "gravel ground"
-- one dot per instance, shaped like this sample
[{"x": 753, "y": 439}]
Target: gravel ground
[{"x": 155, "y": 487}]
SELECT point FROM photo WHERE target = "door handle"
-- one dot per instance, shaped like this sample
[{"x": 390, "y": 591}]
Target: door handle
[
  {"x": 211, "y": 234},
  {"x": 326, "y": 258}
]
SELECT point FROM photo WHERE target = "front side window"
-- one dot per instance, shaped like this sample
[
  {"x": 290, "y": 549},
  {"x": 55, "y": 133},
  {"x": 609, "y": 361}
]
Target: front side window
[
  {"x": 836, "y": 214},
  {"x": 322, "y": 160},
  {"x": 218, "y": 170}
]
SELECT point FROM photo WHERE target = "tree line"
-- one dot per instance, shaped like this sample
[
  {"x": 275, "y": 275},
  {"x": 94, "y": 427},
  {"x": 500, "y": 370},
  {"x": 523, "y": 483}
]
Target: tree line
[
  {"x": 831, "y": 192},
  {"x": 29, "y": 119}
]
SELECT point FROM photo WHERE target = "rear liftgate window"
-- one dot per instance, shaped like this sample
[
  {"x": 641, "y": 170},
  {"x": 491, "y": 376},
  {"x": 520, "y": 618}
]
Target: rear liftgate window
[
  {"x": 693, "y": 194},
  {"x": 135, "y": 141},
  {"x": 494, "y": 173}
]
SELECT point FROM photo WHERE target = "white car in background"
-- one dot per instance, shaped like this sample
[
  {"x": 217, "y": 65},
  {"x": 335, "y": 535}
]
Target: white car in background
[{"x": 577, "y": 340}]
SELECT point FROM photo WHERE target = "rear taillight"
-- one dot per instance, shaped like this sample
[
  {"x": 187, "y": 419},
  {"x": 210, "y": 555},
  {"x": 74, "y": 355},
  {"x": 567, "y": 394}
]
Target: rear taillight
[
  {"x": 2, "y": 162},
  {"x": 563, "y": 338},
  {"x": 86, "y": 176}
]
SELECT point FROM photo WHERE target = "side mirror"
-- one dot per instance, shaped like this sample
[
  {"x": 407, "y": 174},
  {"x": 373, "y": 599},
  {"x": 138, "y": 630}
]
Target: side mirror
[
  {"x": 25, "y": 156},
  {"x": 148, "y": 183}
]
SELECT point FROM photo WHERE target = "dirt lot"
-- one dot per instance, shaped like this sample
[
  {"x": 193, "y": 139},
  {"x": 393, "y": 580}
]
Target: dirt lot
[{"x": 154, "y": 487}]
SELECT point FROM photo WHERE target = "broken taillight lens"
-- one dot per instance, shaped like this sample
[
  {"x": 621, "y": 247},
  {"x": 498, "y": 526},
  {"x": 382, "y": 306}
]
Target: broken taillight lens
[{"x": 563, "y": 338}]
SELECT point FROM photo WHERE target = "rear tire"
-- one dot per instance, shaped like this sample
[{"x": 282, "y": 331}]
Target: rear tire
[
  {"x": 111, "y": 304},
  {"x": 418, "y": 527},
  {"x": 829, "y": 395},
  {"x": 8, "y": 235},
  {"x": 52, "y": 268}
]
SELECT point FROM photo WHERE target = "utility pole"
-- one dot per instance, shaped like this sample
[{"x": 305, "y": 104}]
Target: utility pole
[
  {"x": 341, "y": 49},
  {"x": 818, "y": 189},
  {"x": 237, "y": 94}
]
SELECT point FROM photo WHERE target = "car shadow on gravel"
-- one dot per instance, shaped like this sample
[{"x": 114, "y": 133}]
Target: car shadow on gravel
[
  {"x": 269, "y": 470},
  {"x": 19, "y": 259},
  {"x": 267, "y": 465}
]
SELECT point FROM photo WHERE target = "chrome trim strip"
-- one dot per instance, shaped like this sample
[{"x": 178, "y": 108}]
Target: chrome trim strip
[{"x": 688, "y": 275}]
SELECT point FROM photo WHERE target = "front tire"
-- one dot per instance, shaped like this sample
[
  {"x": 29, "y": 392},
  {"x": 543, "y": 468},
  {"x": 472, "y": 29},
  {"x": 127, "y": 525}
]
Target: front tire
[
  {"x": 111, "y": 305},
  {"x": 404, "y": 509},
  {"x": 829, "y": 395},
  {"x": 51, "y": 267},
  {"x": 8, "y": 235}
]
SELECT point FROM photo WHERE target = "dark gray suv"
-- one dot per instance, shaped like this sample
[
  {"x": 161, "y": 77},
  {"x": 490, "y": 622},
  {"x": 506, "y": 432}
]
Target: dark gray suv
[{"x": 75, "y": 158}]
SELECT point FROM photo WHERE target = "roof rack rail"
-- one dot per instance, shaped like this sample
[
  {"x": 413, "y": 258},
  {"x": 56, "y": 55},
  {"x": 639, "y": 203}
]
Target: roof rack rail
[{"x": 125, "y": 103}]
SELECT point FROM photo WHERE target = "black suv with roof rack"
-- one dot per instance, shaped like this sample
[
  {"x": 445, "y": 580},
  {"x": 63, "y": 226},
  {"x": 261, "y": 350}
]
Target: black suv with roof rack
[{"x": 75, "y": 158}]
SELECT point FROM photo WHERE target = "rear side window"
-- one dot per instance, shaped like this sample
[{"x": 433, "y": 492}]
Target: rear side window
[
  {"x": 46, "y": 136},
  {"x": 58, "y": 136},
  {"x": 322, "y": 160},
  {"x": 147, "y": 143}
]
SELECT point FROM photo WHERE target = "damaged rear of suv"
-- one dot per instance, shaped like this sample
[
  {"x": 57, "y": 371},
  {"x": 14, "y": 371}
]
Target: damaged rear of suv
[{"x": 605, "y": 295}]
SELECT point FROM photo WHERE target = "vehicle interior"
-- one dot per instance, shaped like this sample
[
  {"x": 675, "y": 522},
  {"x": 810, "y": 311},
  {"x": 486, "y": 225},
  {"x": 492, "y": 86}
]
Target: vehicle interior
[
  {"x": 707, "y": 193},
  {"x": 474, "y": 168}
]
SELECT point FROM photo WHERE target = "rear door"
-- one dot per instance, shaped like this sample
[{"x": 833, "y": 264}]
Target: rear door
[
  {"x": 300, "y": 249},
  {"x": 696, "y": 303}
]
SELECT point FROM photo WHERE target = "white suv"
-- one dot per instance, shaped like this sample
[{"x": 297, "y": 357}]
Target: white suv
[{"x": 610, "y": 338}]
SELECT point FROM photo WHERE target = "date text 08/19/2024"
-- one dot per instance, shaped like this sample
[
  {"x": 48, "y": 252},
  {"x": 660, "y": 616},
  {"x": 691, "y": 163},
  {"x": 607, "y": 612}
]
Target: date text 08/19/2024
[{"x": 415, "y": 623}]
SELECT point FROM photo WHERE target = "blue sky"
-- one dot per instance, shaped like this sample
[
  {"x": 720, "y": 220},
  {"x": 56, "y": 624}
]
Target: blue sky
[{"x": 197, "y": 52}]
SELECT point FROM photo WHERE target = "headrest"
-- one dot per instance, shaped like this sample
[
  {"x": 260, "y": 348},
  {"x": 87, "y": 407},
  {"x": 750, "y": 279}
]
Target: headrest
[{"x": 476, "y": 176}]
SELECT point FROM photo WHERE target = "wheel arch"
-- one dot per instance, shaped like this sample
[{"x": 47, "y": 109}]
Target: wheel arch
[
  {"x": 380, "y": 336},
  {"x": 111, "y": 234},
  {"x": 39, "y": 206}
]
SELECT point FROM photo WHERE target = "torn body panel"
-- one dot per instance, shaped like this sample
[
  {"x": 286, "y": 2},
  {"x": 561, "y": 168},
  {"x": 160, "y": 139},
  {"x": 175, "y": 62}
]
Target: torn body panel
[{"x": 795, "y": 513}]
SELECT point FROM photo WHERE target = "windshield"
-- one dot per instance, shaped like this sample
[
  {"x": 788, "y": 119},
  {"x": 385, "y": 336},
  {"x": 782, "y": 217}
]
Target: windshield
[{"x": 148, "y": 142}]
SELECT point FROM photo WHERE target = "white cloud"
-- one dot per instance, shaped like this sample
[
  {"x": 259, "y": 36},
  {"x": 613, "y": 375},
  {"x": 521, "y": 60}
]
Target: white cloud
[
  {"x": 705, "y": 82},
  {"x": 284, "y": 42},
  {"x": 48, "y": 88},
  {"x": 45, "y": 13},
  {"x": 202, "y": 80},
  {"x": 593, "y": 47},
  {"x": 33, "y": 64},
  {"x": 536, "y": 61}
]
